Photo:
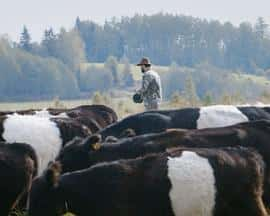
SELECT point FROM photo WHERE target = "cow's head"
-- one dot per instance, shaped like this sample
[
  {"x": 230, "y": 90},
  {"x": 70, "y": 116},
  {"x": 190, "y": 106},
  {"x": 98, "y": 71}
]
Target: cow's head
[
  {"x": 76, "y": 154},
  {"x": 46, "y": 197}
]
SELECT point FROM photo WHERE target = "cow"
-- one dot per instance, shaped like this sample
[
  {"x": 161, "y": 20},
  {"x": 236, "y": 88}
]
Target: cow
[
  {"x": 188, "y": 118},
  {"x": 18, "y": 166},
  {"x": 103, "y": 115},
  {"x": 83, "y": 153},
  {"x": 218, "y": 182},
  {"x": 95, "y": 117},
  {"x": 46, "y": 136}
]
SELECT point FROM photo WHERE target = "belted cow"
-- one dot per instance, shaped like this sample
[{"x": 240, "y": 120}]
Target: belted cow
[
  {"x": 95, "y": 117},
  {"x": 46, "y": 136},
  {"x": 188, "y": 118},
  {"x": 180, "y": 182},
  {"x": 82, "y": 153}
]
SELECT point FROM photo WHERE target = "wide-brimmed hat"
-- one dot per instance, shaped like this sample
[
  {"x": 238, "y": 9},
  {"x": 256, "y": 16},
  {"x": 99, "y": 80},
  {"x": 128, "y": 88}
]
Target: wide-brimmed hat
[{"x": 144, "y": 61}]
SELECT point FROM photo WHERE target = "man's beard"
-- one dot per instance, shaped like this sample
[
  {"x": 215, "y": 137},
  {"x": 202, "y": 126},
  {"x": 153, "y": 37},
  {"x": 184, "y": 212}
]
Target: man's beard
[{"x": 142, "y": 70}]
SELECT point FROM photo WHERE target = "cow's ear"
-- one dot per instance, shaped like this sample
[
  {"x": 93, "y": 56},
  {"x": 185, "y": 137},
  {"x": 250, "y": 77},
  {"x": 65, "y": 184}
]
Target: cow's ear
[
  {"x": 95, "y": 138},
  {"x": 93, "y": 142},
  {"x": 53, "y": 173}
]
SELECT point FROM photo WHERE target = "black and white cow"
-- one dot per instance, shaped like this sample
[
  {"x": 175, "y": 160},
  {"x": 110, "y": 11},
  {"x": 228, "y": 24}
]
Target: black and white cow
[
  {"x": 188, "y": 118},
  {"x": 95, "y": 117},
  {"x": 83, "y": 153},
  {"x": 180, "y": 182},
  {"x": 46, "y": 136},
  {"x": 18, "y": 166},
  {"x": 100, "y": 114}
]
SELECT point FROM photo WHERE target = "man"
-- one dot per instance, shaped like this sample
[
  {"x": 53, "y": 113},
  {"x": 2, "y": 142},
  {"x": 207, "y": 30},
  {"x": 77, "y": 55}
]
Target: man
[{"x": 150, "y": 91}]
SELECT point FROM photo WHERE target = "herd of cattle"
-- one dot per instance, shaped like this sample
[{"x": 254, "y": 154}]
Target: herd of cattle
[{"x": 204, "y": 161}]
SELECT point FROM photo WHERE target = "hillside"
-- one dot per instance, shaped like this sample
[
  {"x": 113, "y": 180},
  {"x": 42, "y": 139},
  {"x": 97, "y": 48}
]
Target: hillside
[
  {"x": 260, "y": 80},
  {"x": 206, "y": 79}
]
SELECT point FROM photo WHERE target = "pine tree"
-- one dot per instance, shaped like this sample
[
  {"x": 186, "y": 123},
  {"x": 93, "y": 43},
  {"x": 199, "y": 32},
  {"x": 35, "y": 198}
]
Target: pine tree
[
  {"x": 25, "y": 39},
  {"x": 77, "y": 22},
  {"x": 49, "y": 35},
  {"x": 261, "y": 27},
  {"x": 48, "y": 41}
]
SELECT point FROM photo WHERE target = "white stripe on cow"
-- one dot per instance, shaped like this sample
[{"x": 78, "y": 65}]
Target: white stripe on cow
[
  {"x": 220, "y": 116},
  {"x": 41, "y": 133},
  {"x": 44, "y": 113},
  {"x": 193, "y": 185}
]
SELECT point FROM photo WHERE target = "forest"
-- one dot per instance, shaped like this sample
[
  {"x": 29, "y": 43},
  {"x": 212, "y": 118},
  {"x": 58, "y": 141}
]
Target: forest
[{"x": 210, "y": 59}]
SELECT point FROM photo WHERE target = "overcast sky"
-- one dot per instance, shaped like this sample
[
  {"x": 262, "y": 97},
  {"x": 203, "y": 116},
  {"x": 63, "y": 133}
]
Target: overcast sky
[{"x": 40, "y": 14}]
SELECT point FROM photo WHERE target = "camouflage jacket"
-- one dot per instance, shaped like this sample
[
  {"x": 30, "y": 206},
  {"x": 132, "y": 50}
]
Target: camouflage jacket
[{"x": 151, "y": 87}]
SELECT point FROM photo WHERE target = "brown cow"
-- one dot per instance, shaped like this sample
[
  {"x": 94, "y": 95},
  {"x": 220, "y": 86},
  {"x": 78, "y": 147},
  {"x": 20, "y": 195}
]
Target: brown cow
[
  {"x": 95, "y": 117},
  {"x": 18, "y": 165},
  {"x": 217, "y": 182},
  {"x": 86, "y": 152}
]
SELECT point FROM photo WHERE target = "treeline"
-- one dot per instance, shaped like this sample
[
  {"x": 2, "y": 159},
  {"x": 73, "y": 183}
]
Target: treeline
[
  {"x": 210, "y": 52},
  {"x": 164, "y": 38},
  {"x": 53, "y": 68},
  {"x": 26, "y": 76},
  {"x": 185, "y": 40}
]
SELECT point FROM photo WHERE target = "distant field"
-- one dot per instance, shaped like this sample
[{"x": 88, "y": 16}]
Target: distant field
[
  {"x": 41, "y": 104},
  {"x": 123, "y": 106},
  {"x": 257, "y": 79}
]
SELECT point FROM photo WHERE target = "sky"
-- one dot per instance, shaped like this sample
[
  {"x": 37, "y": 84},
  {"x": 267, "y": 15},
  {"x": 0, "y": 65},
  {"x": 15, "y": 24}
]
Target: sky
[{"x": 40, "y": 14}]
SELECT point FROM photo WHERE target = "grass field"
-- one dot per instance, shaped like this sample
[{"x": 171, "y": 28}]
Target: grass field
[
  {"x": 257, "y": 79},
  {"x": 42, "y": 104}
]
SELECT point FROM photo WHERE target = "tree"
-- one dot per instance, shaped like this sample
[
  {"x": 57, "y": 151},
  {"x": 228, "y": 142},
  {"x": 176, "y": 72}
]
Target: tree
[
  {"x": 24, "y": 75},
  {"x": 49, "y": 41},
  {"x": 25, "y": 39},
  {"x": 69, "y": 48},
  {"x": 127, "y": 75},
  {"x": 96, "y": 79},
  {"x": 112, "y": 65},
  {"x": 261, "y": 27},
  {"x": 77, "y": 23},
  {"x": 190, "y": 91}
]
